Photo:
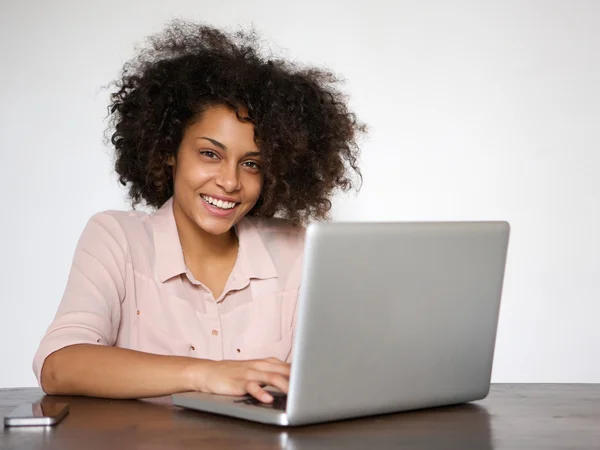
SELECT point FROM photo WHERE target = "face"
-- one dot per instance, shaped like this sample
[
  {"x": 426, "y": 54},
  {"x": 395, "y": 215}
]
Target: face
[{"x": 217, "y": 172}]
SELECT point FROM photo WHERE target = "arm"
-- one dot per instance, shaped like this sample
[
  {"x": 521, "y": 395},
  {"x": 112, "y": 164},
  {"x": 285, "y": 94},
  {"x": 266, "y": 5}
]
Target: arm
[
  {"x": 113, "y": 372},
  {"x": 100, "y": 371}
]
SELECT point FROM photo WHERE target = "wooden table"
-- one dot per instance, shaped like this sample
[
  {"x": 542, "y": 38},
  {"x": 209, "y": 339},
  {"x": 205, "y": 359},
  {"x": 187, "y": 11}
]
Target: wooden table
[{"x": 512, "y": 417}]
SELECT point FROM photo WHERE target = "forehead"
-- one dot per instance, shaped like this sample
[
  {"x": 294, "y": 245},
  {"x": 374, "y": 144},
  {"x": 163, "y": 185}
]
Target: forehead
[{"x": 222, "y": 124}]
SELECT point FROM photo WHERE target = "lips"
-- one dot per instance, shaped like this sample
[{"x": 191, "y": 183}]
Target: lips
[
  {"x": 219, "y": 202},
  {"x": 218, "y": 211}
]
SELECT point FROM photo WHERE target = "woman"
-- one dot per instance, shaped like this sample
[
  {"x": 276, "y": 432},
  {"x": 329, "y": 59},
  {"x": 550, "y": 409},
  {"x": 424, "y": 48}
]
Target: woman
[{"x": 201, "y": 294}]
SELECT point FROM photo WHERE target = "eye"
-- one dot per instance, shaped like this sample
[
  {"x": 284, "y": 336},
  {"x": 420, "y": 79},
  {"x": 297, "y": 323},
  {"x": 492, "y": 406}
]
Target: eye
[
  {"x": 209, "y": 154},
  {"x": 252, "y": 165}
]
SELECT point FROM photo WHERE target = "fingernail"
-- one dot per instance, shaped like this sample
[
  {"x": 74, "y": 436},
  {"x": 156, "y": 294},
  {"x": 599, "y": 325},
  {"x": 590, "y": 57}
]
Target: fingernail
[{"x": 267, "y": 398}]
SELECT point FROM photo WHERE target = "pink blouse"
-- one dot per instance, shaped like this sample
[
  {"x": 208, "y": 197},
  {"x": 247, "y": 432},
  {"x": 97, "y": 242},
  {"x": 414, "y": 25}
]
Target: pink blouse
[{"x": 129, "y": 287}]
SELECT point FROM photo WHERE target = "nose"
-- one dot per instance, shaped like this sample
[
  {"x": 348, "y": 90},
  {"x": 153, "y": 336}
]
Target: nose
[{"x": 228, "y": 177}]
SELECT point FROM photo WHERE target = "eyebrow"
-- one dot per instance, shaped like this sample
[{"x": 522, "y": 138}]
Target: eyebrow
[{"x": 224, "y": 147}]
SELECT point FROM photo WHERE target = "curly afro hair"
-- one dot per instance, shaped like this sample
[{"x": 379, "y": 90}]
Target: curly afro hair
[{"x": 302, "y": 124}]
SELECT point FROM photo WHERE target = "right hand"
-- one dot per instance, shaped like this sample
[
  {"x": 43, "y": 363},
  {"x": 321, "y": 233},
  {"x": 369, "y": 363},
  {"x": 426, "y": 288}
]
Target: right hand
[{"x": 243, "y": 377}]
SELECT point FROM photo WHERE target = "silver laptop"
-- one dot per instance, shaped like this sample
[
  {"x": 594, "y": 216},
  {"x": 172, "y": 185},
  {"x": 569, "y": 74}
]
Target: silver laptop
[{"x": 392, "y": 317}]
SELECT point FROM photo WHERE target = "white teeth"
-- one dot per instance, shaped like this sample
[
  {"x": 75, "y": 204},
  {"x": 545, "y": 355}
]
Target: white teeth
[{"x": 218, "y": 203}]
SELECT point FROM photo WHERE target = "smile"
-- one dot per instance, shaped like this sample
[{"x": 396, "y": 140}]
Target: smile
[{"x": 218, "y": 203}]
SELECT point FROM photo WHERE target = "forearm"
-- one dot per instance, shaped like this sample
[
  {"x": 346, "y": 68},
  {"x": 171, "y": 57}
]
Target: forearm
[{"x": 112, "y": 372}]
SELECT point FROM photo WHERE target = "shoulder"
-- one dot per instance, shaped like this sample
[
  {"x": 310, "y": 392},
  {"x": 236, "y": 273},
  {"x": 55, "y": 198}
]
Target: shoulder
[
  {"x": 122, "y": 226},
  {"x": 124, "y": 219},
  {"x": 279, "y": 233},
  {"x": 284, "y": 242}
]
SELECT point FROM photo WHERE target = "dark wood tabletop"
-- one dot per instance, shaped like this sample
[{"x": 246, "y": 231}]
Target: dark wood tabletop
[{"x": 519, "y": 416}]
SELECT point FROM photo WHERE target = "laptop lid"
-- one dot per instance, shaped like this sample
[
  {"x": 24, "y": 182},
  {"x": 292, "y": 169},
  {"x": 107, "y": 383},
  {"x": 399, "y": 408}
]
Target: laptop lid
[{"x": 395, "y": 316}]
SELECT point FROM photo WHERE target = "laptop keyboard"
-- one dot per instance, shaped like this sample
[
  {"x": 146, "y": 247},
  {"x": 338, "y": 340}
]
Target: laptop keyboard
[{"x": 279, "y": 401}]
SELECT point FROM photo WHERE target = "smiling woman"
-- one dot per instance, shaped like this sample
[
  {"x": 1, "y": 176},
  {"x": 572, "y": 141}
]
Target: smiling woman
[
  {"x": 201, "y": 294},
  {"x": 217, "y": 176}
]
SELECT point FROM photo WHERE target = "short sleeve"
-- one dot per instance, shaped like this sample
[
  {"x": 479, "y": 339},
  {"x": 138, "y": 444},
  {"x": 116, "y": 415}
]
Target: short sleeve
[{"x": 90, "y": 310}]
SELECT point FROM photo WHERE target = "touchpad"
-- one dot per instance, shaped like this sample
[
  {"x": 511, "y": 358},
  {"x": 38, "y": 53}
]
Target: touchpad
[{"x": 279, "y": 401}]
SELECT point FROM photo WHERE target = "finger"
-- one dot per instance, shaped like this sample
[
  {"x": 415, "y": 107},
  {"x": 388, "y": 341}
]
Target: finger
[
  {"x": 271, "y": 378},
  {"x": 253, "y": 388},
  {"x": 269, "y": 366},
  {"x": 273, "y": 359}
]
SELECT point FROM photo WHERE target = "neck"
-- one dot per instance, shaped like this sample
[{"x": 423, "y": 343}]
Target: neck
[{"x": 197, "y": 244}]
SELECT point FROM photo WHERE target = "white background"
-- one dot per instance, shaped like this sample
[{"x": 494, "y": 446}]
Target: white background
[{"x": 477, "y": 110}]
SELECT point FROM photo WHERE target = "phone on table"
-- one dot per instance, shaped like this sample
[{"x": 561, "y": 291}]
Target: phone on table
[{"x": 36, "y": 414}]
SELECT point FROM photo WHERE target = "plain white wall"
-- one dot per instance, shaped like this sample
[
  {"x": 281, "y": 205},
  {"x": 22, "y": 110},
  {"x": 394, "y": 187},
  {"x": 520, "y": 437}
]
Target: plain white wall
[{"x": 478, "y": 110}]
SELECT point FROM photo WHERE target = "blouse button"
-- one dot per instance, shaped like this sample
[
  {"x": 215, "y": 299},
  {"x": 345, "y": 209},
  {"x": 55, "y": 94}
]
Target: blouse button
[
  {"x": 192, "y": 348},
  {"x": 238, "y": 350},
  {"x": 215, "y": 332}
]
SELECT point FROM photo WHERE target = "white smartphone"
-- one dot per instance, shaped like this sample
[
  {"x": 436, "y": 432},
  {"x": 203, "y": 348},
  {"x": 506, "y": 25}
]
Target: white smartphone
[{"x": 36, "y": 414}]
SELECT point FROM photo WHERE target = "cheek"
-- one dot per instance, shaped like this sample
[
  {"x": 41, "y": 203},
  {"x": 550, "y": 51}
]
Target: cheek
[
  {"x": 197, "y": 174},
  {"x": 251, "y": 187},
  {"x": 255, "y": 188}
]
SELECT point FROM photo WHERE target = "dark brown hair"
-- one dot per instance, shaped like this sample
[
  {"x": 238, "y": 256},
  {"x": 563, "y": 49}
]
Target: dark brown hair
[{"x": 303, "y": 126}]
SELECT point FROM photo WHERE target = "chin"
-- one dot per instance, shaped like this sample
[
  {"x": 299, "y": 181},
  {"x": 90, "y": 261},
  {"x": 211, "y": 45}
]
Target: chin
[
  {"x": 215, "y": 229},
  {"x": 214, "y": 226}
]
